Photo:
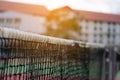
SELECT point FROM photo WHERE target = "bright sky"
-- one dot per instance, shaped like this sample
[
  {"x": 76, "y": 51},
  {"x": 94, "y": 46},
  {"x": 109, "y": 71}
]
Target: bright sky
[{"x": 109, "y": 6}]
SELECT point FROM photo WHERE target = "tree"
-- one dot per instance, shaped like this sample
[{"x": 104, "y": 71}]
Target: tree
[{"x": 63, "y": 23}]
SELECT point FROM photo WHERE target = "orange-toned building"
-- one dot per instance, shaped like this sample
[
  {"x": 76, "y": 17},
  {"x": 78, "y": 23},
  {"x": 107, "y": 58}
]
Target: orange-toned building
[{"x": 26, "y": 17}]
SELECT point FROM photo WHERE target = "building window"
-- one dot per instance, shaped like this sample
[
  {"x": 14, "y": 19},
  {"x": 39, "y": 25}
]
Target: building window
[
  {"x": 100, "y": 41},
  {"x": 109, "y": 30},
  {"x": 86, "y": 35},
  {"x": 81, "y": 34},
  {"x": 95, "y": 22},
  {"x": 95, "y": 35},
  {"x": 95, "y": 28},
  {"x": 114, "y": 30},
  {"x": 86, "y": 27},
  {"x": 109, "y": 23},
  {"x": 108, "y": 35},
  {"x": 1, "y": 20},
  {"x": 114, "y": 36},
  {"x": 101, "y": 35},
  {"x": 9, "y": 20},
  {"x": 100, "y": 28},
  {"x": 95, "y": 41},
  {"x": 17, "y": 20},
  {"x": 108, "y": 41},
  {"x": 1, "y": 11},
  {"x": 86, "y": 40}
]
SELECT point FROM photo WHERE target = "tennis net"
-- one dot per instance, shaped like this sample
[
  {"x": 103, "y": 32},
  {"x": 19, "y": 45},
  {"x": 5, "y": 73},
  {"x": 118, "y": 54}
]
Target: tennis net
[{"x": 28, "y": 56}]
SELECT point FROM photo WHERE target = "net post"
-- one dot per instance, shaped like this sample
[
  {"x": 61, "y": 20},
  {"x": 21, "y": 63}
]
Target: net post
[{"x": 110, "y": 63}]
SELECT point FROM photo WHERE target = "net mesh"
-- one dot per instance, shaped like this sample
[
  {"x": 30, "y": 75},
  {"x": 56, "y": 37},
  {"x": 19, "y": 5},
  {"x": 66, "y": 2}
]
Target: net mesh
[{"x": 25, "y": 59}]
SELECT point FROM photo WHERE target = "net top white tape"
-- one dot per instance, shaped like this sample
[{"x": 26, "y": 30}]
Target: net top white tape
[{"x": 17, "y": 34}]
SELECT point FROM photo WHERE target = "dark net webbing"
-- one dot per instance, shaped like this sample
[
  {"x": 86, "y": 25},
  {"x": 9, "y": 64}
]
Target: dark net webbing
[{"x": 29, "y": 60}]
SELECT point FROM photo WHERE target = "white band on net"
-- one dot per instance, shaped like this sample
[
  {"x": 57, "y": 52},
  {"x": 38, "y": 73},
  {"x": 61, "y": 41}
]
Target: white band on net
[{"x": 17, "y": 34}]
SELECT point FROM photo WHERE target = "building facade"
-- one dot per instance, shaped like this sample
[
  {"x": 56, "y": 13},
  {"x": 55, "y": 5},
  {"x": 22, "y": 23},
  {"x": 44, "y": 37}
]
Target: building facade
[
  {"x": 100, "y": 28},
  {"x": 100, "y": 32},
  {"x": 24, "y": 17}
]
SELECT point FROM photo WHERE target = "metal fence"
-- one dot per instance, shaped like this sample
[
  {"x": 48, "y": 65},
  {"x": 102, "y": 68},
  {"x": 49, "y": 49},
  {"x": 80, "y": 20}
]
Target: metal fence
[{"x": 27, "y": 56}]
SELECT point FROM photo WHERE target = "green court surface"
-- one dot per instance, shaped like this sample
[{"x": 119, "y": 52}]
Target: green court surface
[
  {"x": 43, "y": 69},
  {"x": 48, "y": 69}
]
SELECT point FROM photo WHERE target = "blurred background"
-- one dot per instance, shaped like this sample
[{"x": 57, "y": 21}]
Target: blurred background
[
  {"x": 84, "y": 20},
  {"x": 94, "y": 21}
]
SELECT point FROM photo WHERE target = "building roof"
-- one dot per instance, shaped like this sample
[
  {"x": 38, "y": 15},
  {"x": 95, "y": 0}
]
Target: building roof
[
  {"x": 95, "y": 16},
  {"x": 24, "y": 8},
  {"x": 65, "y": 8}
]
